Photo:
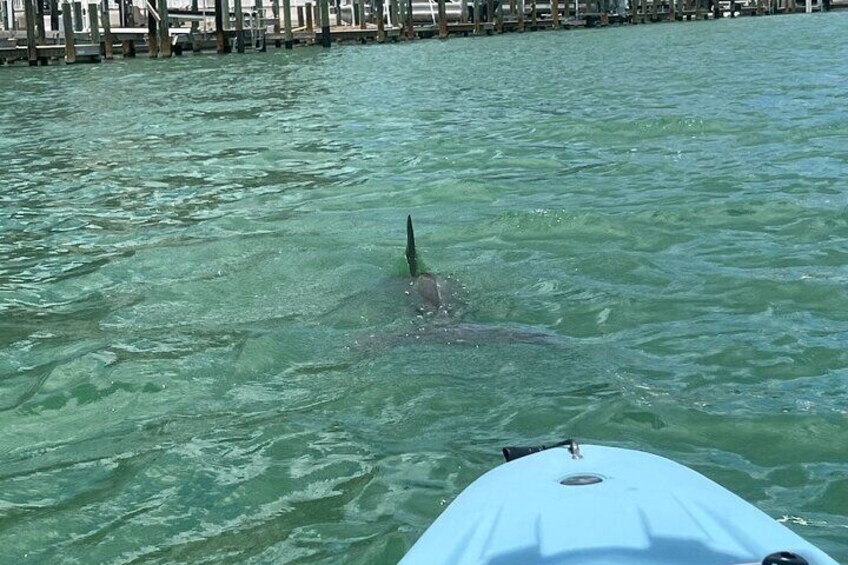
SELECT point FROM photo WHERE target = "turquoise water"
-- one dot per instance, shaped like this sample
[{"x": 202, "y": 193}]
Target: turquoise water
[{"x": 207, "y": 354}]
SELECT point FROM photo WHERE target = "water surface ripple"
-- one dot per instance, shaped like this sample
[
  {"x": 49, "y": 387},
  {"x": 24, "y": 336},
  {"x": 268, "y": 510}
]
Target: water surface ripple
[{"x": 206, "y": 353}]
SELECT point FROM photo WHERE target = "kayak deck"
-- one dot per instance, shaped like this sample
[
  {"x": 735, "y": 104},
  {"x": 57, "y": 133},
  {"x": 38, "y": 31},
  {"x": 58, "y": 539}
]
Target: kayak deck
[{"x": 612, "y": 506}]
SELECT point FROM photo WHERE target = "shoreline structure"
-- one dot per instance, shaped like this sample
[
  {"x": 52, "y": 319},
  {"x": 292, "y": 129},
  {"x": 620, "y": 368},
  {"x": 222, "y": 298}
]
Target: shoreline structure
[{"x": 39, "y": 32}]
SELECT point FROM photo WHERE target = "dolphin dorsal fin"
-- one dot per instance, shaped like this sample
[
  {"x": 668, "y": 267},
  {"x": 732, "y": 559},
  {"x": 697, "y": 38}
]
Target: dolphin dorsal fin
[{"x": 411, "y": 257}]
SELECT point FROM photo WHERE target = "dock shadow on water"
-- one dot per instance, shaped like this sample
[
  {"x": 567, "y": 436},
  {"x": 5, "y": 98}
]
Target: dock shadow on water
[{"x": 429, "y": 309}]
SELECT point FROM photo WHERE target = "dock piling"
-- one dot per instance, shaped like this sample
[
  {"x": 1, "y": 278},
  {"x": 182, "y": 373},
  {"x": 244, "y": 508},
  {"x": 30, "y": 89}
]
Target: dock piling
[
  {"x": 275, "y": 11},
  {"x": 164, "y": 31},
  {"x": 68, "y": 24},
  {"x": 108, "y": 48},
  {"x": 287, "y": 24},
  {"x": 393, "y": 13},
  {"x": 258, "y": 25},
  {"x": 477, "y": 28},
  {"x": 326, "y": 39},
  {"x": 54, "y": 15},
  {"x": 41, "y": 36},
  {"x": 381, "y": 25},
  {"x": 239, "y": 26},
  {"x": 555, "y": 14},
  {"x": 77, "y": 16},
  {"x": 93, "y": 24},
  {"x": 309, "y": 26},
  {"x": 520, "y": 8},
  {"x": 152, "y": 32},
  {"x": 401, "y": 15},
  {"x": 29, "y": 16},
  {"x": 195, "y": 29},
  {"x": 220, "y": 40},
  {"x": 361, "y": 11},
  {"x": 443, "y": 20}
]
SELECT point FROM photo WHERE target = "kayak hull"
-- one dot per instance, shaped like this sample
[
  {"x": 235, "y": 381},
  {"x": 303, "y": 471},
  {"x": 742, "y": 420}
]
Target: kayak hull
[{"x": 611, "y": 507}]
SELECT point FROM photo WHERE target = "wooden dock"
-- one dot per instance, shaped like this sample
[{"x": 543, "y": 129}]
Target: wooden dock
[{"x": 161, "y": 32}]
